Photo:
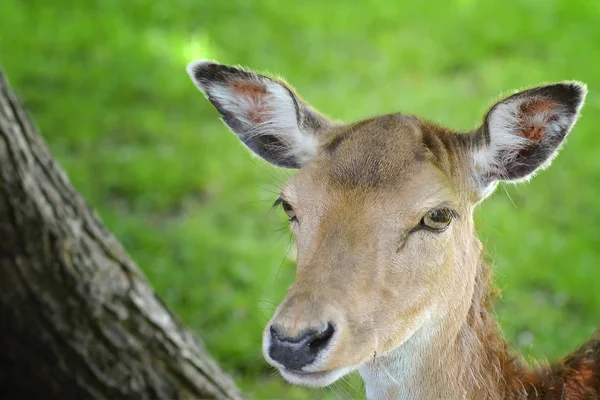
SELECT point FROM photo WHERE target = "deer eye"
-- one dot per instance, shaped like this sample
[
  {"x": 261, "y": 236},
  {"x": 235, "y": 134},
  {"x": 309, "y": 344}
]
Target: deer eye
[
  {"x": 287, "y": 208},
  {"x": 437, "y": 220}
]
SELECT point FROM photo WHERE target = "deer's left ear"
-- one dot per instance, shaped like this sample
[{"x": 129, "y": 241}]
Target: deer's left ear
[
  {"x": 264, "y": 113},
  {"x": 523, "y": 133}
]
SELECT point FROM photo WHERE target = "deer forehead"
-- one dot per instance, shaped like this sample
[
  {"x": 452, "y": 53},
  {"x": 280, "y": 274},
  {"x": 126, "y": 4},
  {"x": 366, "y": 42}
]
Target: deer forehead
[{"x": 372, "y": 164}]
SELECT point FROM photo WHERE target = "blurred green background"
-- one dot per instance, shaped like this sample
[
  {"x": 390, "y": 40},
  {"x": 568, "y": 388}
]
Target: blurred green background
[{"x": 106, "y": 83}]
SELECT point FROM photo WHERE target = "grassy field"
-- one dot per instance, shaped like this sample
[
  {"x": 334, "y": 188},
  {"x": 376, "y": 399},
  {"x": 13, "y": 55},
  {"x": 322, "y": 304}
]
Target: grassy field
[{"x": 106, "y": 83}]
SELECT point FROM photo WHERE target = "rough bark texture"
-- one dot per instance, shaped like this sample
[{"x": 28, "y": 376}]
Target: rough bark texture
[{"x": 77, "y": 318}]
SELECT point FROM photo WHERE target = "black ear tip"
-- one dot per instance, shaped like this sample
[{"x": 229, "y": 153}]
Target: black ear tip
[
  {"x": 570, "y": 92},
  {"x": 205, "y": 72},
  {"x": 202, "y": 70},
  {"x": 576, "y": 89}
]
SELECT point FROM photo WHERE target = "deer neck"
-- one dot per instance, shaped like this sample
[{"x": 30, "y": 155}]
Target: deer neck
[{"x": 445, "y": 359}]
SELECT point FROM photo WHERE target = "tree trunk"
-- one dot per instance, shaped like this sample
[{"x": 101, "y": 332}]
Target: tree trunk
[{"x": 78, "y": 320}]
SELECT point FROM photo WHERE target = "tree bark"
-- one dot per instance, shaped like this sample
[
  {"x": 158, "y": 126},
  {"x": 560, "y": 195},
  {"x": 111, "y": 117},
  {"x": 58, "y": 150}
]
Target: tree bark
[{"x": 78, "y": 320}]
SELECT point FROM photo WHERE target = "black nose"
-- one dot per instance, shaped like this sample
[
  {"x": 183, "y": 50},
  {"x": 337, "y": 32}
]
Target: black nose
[{"x": 297, "y": 352}]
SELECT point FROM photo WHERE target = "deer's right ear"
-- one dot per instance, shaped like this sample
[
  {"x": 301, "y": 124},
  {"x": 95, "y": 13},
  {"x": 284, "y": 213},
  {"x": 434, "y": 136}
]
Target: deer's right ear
[{"x": 266, "y": 114}]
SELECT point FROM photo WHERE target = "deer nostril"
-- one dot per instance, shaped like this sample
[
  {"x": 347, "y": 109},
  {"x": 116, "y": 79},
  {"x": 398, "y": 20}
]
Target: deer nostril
[
  {"x": 275, "y": 332},
  {"x": 295, "y": 352},
  {"x": 321, "y": 339}
]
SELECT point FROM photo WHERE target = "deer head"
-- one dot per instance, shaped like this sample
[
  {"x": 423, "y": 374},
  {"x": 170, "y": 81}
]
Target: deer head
[{"x": 381, "y": 210}]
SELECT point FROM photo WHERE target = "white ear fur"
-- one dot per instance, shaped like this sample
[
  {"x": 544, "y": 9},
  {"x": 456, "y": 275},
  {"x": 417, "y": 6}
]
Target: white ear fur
[
  {"x": 264, "y": 113},
  {"x": 523, "y": 133},
  {"x": 503, "y": 123},
  {"x": 506, "y": 142}
]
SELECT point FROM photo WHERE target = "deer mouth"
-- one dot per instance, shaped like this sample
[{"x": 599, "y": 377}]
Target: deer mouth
[{"x": 314, "y": 379}]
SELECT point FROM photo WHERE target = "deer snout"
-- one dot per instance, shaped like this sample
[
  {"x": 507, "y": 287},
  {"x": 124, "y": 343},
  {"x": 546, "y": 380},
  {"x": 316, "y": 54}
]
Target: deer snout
[
  {"x": 297, "y": 352},
  {"x": 304, "y": 334}
]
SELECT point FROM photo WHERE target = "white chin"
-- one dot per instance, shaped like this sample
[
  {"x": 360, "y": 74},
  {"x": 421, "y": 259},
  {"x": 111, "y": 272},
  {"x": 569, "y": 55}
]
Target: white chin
[{"x": 314, "y": 379}]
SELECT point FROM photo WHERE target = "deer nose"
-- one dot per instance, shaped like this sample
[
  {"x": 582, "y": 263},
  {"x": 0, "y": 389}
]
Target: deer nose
[{"x": 294, "y": 353}]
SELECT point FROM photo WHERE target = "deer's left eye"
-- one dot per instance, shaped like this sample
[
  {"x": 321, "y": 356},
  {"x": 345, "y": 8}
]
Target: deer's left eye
[
  {"x": 437, "y": 220},
  {"x": 287, "y": 208}
]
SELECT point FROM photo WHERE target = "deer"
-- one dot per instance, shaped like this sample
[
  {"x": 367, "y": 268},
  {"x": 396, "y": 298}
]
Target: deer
[{"x": 391, "y": 279}]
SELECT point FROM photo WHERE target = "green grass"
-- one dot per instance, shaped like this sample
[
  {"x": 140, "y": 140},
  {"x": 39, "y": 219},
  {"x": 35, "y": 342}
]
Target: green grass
[{"x": 106, "y": 83}]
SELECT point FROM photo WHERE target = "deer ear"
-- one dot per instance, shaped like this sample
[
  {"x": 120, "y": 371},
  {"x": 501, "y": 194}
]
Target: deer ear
[
  {"x": 524, "y": 132},
  {"x": 265, "y": 114}
]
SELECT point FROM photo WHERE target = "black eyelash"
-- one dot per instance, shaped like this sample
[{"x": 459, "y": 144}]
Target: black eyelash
[
  {"x": 277, "y": 202},
  {"x": 449, "y": 208},
  {"x": 454, "y": 213},
  {"x": 420, "y": 226}
]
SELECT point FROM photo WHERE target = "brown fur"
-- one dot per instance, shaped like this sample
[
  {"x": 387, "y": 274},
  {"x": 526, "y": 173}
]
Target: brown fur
[
  {"x": 535, "y": 132},
  {"x": 404, "y": 301},
  {"x": 493, "y": 371},
  {"x": 252, "y": 89},
  {"x": 503, "y": 374}
]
